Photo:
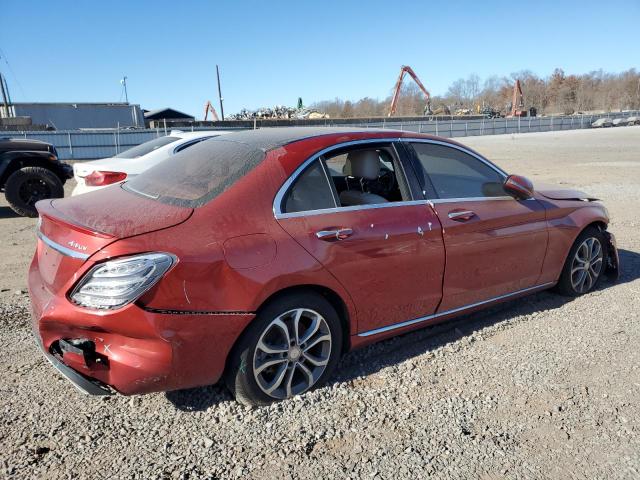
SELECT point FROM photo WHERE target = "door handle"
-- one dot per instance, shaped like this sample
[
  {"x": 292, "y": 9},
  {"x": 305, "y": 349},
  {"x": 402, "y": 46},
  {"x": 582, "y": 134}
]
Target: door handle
[
  {"x": 339, "y": 234},
  {"x": 461, "y": 215}
]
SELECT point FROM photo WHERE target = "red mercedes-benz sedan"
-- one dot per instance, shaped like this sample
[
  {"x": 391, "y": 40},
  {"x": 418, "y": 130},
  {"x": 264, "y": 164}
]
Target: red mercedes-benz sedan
[{"x": 261, "y": 257}]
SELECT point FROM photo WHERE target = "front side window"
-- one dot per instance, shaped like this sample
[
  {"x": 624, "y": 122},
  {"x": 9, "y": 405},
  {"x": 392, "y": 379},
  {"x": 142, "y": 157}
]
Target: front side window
[{"x": 456, "y": 174}]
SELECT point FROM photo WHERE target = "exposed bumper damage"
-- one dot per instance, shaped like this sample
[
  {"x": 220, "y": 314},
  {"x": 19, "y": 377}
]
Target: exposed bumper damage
[
  {"x": 131, "y": 350},
  {"x": 613, "y": 259}
]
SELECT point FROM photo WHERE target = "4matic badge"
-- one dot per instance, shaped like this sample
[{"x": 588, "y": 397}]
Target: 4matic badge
[{"x": 76, "y": 245}]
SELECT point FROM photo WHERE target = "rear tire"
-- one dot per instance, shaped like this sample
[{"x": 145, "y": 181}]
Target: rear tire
[
  {"x": 585, "y": 265},
  {"x": 28, "y": 185},
  {"x": 272, "y": 363}
]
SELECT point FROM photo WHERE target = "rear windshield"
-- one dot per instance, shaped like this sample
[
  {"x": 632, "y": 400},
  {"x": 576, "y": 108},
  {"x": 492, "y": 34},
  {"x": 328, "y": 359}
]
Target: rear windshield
[
  {"x": 195, "y": 176},
  {"x": 147, "y": 147}
]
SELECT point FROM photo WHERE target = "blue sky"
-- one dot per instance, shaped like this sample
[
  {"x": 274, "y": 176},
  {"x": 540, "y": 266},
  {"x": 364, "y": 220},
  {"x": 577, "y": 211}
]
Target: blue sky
[{"x": 274, "y": 52}]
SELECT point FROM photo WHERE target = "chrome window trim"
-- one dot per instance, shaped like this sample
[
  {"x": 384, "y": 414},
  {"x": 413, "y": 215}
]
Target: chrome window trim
[
  {"x": 61, "y": 249},
  {"x": 457, "y": 147},
  {"x": 308, "y": 213},
  {"x": 292, "y": 178},
  {"x": 471, "y": 199},
  {"x": 415, "y": 321},
  {"x": 277, "y": 202}
]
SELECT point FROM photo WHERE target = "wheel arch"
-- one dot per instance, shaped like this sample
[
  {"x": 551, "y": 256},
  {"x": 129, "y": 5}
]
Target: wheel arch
[
  {"x": 16, "y": 160},
  {"x": 331, "y": 296},
  {"x": 328, "y": 294}
]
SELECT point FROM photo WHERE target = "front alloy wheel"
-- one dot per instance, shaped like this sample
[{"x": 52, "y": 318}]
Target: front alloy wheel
[
  {"x": 587, "y": 265},
  {"x": 292, "y": 346}
]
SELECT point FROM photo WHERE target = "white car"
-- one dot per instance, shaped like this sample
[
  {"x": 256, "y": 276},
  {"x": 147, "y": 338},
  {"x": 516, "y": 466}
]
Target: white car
[
  {"x": 98, "y": 174},
  {"x": 602, "y": 123}
]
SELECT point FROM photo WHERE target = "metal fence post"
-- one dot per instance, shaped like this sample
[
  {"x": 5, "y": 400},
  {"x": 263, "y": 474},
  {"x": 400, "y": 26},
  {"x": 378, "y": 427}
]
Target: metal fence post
[
  {"x": 436, "y": 126},
  {"x": 466, "y": 129},
  {"x": 518, "y": 124},
  {"x": 70, "y": 144},
  {"x": 551, "y": 123}
]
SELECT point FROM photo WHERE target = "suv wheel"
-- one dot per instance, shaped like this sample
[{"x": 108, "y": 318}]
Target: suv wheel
[
  {"x": 26, "y": 186},
  {"x": 292, "y": 346}
]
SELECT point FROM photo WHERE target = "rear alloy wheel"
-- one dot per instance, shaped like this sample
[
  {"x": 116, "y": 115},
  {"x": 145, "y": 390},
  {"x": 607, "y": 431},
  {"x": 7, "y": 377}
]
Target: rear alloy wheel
[
  {"x": 585, "y": 264},
  {"x": 293, "y": 346},
  {"x": 28, "y": 185},
  {"x": 292, "y": 353}
]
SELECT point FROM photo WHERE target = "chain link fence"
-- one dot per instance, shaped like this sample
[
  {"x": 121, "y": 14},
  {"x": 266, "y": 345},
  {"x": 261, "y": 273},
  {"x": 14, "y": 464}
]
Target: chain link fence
[{"x": 92, "y": 144}]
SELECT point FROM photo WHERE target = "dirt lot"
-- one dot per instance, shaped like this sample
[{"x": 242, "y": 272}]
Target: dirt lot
[{"x": 540, "y": 387}]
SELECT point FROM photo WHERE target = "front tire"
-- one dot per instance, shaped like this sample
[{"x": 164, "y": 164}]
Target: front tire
[
  {"x": 28, "y": 185},
  {"x": 292, "y": 346},
  {"x": 585, "y": 264}
]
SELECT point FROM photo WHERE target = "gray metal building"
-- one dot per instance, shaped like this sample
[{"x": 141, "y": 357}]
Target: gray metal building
[{"x": 73, "y": 116}]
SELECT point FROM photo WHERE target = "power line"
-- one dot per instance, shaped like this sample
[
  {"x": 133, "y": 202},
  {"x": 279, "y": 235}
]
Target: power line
[{"x": 15, "y": 78}]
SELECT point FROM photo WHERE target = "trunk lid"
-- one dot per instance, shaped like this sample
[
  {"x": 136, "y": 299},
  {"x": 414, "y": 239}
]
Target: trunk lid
[{"x": 71, "y": 230}]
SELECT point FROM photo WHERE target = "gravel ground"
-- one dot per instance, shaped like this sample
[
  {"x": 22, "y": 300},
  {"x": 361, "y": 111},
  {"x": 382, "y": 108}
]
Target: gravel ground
[{"x": 541, "y": 387}]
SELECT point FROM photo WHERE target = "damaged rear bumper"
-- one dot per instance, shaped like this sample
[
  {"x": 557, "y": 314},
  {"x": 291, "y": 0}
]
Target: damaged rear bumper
[
  {"x": 82, "y": 383},
  {"x": 131, "y": 350}
]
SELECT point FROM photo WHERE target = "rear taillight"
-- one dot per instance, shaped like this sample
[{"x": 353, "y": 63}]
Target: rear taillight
[
  {"x": 116, "y": 283},
  {"x": 99, "y": 178}
]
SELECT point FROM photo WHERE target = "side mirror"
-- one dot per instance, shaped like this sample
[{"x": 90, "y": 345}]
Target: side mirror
[{"x": 518, "y": 187}]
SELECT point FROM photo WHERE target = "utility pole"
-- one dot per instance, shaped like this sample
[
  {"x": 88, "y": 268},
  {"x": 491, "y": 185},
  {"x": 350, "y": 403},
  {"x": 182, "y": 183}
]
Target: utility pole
[
  {"x": 124, "y": 85},
  {"x": 4, "y": 97},
  {"x": 220, "y": 92}
]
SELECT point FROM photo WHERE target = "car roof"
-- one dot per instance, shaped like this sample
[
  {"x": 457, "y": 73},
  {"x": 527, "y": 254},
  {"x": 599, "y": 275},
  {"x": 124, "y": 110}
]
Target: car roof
[{"x": 266, "y": 139}]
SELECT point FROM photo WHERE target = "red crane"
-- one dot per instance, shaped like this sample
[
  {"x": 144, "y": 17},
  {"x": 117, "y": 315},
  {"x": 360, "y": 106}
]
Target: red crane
[
  {"x": 517, "y": 102},
  {"x": 396, "y": 91},
  {"x": 208, "y": 107}
]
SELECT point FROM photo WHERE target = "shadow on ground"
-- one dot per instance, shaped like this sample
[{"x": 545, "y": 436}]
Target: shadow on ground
[
  {"x": 6, "y": 212},
  {"x": 373, "y": 358}
]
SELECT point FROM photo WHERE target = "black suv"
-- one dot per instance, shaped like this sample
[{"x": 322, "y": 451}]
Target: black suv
[{"x": 30, "y": 171}]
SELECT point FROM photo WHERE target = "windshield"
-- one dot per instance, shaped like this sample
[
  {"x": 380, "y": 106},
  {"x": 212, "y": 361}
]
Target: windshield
[
  {"x": 147, "y": 147},
  {"x": 195, "y": 176}
]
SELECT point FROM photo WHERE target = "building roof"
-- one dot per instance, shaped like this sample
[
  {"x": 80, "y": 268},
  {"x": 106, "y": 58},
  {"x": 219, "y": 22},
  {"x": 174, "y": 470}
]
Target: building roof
[{"x": 161, "y": 113}]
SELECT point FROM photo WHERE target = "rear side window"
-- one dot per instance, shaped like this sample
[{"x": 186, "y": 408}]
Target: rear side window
[
  {"x": 147, "y": 147},
  {"x": 456, "y": 174},
  {"x": 311, "y": 191}
]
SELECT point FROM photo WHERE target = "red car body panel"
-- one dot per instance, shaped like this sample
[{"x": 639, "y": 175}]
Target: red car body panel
[
  {"x": 401, "y": 263},
  {"x": 382, "y": 243},
  {"x": 484, "y": 253}
]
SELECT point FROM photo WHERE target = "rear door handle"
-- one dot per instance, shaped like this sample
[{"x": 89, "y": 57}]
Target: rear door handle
[
  {"x": 461, "y": 215},
  {"x": 339, "y": 234}
]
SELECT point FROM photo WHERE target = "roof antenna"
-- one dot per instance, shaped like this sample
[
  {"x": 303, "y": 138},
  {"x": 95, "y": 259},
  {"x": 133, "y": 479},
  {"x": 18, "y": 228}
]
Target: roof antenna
[{"x": 123, "y": 82}]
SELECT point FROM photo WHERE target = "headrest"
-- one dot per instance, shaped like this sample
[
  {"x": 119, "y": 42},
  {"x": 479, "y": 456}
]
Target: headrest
[{"x": 363, "y": 164}]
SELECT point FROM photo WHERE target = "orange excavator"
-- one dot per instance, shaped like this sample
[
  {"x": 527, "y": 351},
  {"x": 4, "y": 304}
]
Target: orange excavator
[
  {"x": 208, "y": 107},
  {"x": 396, "y": 91},
  {"x": 517, "y": 102}
]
